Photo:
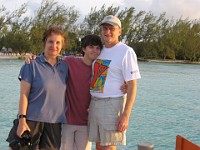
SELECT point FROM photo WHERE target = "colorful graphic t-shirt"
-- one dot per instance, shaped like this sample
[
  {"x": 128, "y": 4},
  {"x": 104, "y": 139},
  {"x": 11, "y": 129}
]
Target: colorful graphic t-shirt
[
  {"x": 100, "y": 74},
  {"x": 112, "y": 67}
]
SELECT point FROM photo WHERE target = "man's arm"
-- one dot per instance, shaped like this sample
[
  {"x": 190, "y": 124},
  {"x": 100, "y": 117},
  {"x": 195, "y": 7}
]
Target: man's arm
[{"x": 123, "y": 120}]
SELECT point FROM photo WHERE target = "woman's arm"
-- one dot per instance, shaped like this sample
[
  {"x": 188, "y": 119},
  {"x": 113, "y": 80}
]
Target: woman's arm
[{"x": 23, "y": 104}]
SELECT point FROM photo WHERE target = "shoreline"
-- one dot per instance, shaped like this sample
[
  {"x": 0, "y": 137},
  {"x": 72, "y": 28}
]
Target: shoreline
[
  {"x": 139, "y": 59},
  {"x": 167, "y": 61}
]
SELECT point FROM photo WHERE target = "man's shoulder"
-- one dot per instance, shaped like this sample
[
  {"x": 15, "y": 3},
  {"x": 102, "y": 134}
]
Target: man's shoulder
[{"x": 125, "y": 46}]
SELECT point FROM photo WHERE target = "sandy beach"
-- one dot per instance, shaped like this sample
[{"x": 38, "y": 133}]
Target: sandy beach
[{"x": 8, "y": 57}]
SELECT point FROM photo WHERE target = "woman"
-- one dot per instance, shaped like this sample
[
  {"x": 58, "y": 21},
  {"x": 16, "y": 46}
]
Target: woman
[{"x": 42, "y": 95}]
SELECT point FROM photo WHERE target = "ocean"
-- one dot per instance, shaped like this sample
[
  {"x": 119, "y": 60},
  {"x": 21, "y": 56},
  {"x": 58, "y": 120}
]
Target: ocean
[{"x": 167, "y": 104}]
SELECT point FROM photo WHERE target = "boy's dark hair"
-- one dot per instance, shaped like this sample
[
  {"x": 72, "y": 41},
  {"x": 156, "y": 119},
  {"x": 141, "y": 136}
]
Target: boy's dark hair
[
  {"x": 91, "y": 39},
  {"x": 55, "y": 30}
]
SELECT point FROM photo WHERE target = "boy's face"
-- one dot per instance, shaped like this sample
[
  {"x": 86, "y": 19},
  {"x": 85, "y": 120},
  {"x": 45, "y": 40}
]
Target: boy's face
[{"x": 91, "y": 52}]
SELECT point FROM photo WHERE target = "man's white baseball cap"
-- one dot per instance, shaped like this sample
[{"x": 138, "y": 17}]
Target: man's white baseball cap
[{"x": 112, "y": 20}]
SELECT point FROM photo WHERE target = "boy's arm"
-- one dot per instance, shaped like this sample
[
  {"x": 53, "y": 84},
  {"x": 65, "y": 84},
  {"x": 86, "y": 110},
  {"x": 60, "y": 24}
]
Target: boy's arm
[{"x": 29, "y": 57}]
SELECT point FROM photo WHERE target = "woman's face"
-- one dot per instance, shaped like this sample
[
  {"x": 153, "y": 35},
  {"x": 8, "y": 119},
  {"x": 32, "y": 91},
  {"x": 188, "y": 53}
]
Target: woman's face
[{"x": 53, "y": 45}]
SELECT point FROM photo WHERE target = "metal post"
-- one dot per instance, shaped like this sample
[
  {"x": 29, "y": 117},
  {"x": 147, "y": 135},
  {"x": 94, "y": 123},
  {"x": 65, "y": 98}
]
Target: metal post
[{"x": 145, "y": 146}]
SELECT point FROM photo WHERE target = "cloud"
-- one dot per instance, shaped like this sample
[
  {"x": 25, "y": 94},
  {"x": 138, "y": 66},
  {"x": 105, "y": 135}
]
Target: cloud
[
  {"x": 12, "y": 4},
  {"x": 177, "y": 8},
  {"x": 173, "y": 8},
  {"x": 138, "y": 4},
  {"x": 85, "y": 6}
]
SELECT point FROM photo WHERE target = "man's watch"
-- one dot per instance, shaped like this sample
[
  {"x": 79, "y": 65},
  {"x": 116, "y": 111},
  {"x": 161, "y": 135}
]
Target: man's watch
[{"x": 21, "y": 116}]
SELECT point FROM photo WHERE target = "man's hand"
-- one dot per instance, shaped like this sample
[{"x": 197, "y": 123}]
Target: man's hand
[
  {"x": 122, "y": 123},
  {"x": 29, "y": 57}
]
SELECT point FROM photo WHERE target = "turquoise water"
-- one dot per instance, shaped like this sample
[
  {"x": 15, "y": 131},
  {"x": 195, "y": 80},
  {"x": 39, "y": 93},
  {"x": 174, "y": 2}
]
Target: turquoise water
[{"x": 167, "y": 104}]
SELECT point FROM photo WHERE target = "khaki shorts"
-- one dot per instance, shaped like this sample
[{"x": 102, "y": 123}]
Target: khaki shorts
[
  {"x": 74, "y": 137},
  {"x": 103, "y": 114}
]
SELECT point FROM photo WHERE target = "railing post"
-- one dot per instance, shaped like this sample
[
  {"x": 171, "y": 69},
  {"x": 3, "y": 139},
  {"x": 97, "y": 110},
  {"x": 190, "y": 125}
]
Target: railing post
[{"x": 145, "y": 146}]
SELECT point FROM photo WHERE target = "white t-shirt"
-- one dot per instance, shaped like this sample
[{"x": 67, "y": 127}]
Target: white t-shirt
[{"x": 113, "y": 66}]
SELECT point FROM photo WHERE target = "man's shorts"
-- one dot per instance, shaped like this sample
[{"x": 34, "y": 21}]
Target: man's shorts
[
  {"x": 103, "y": 114},
  {"x": 44, "y": 135}
]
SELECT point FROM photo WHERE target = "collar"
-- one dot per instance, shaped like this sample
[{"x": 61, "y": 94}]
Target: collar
[{"x": 43, "y": 59}]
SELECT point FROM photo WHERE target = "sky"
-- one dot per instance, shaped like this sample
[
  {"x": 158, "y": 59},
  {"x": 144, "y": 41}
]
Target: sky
[{"x": 173, "y": 8}]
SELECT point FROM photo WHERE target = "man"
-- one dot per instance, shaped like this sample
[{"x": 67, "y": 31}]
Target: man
[{"x": 109, "y": 110}]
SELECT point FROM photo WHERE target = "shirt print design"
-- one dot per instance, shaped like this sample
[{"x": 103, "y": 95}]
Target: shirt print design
[{"x": 99, "y": 75}]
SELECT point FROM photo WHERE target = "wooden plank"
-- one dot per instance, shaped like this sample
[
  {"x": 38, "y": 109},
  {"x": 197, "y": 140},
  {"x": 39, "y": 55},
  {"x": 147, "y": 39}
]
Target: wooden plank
[{"x": 184, "y": 144}]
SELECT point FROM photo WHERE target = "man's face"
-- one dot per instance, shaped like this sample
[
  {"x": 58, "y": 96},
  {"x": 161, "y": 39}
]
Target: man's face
[
  {"x": 92, "y": 52},
  {"x": 110, "y": 34}
]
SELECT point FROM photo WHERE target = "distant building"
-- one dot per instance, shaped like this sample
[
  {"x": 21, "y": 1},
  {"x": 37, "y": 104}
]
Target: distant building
[{"x": 6, "y": 51}]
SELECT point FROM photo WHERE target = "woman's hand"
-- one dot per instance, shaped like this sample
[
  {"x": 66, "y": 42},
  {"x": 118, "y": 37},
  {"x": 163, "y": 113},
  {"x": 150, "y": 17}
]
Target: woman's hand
[{"x": 23, "y": 126}]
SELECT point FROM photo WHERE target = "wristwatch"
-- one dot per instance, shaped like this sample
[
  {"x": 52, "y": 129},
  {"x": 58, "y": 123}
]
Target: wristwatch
[{"x": 21, "y": 116}]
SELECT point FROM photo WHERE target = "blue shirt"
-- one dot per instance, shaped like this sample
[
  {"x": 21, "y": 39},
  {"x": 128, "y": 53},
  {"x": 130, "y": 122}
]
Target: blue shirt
[{"x": 46, "y": 100}]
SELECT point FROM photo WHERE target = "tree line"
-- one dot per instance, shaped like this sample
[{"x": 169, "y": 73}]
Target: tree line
[{"x": 152, "y": 37}]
